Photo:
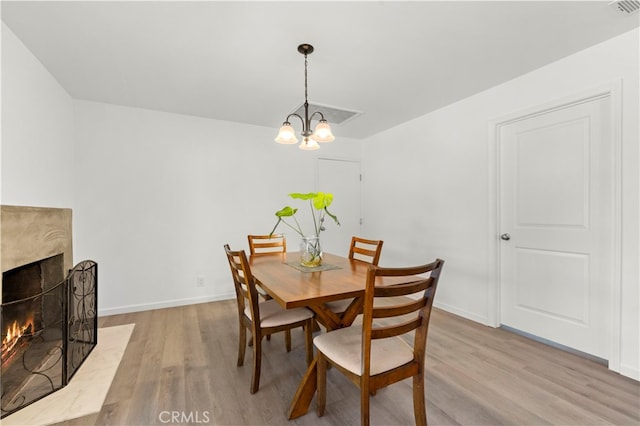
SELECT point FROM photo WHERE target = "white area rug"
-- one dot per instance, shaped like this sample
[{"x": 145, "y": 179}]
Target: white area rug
[{"x": 88, "y": 388}]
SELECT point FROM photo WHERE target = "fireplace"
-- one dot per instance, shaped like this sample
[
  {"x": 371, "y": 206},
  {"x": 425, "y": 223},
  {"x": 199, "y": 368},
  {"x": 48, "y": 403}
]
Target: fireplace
[
  {"x": 46, "y": 335},
  {"x": 48, "y": 310}
]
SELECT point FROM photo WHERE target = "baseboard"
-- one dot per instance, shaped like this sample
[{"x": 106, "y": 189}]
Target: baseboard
[
  {"x": 462, "y": 313},
  {"x": 556, "y": 345},
  {"x": 630, "y": 371},
  {"x": 165, "y": 304}
]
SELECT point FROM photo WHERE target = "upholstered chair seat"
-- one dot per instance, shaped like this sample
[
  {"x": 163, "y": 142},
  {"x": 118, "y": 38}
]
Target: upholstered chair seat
[
  {"x": 344, "y": 347},
  {"x": 272, "y": 315}
]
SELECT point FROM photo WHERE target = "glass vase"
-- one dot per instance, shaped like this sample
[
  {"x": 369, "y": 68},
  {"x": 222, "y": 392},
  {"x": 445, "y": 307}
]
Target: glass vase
[{"x": 310, "y": 252}]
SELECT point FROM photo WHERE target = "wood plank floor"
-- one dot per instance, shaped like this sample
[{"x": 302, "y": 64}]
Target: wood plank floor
[{"x": 184, "y": 360}]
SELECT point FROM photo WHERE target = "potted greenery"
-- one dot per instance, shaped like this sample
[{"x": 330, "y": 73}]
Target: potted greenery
[{"x": 310, "y": 248}]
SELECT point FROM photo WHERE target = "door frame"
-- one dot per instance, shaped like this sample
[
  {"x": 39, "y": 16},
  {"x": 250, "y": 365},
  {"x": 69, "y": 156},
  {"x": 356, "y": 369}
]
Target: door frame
[{"x": 612, "y": 90}]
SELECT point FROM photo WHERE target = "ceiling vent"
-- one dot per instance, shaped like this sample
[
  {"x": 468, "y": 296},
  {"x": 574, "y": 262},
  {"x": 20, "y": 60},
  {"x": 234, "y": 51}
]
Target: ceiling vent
[
  {"x": 626, "y": 7},
  {"x": 331, "y": 114}
]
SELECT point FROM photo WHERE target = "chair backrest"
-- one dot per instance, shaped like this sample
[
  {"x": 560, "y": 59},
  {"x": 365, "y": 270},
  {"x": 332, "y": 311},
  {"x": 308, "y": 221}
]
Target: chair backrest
[
  {"x": 244, "y": 283},
  {"x": 415, "y": 313},
  {"x": 260, "y": 245},
  {"x": 365, "y": 250}
]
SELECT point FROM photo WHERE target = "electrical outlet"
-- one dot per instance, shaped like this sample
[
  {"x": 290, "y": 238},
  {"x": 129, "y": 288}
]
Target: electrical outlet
[{"x": 200, "y": 281}]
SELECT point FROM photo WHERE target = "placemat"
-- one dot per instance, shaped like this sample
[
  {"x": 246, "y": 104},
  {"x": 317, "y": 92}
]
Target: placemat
[{"x": 324, "y": 267}]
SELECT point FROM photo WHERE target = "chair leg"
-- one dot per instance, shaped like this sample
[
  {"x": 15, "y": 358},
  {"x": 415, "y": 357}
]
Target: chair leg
[
  {"x": 419, "y": 406},
  {"x": 321, "y": 396},
  {"x": 257, "y": 361},
  {"x": 364, "y": 404},
  {"x": 242, "y": 344},
  {"x": 308, "y": 340},
  {"x": 287, "y": 339},
  {"x": 251, "y": 339}
]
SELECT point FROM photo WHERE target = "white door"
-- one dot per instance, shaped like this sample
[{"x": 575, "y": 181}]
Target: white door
[
  {"x": 342, "y": 179},
  {"x": 556, "y": 207}
]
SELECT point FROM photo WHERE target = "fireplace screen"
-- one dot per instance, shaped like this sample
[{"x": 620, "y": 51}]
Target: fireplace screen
[{"x": 49, "y": 327}]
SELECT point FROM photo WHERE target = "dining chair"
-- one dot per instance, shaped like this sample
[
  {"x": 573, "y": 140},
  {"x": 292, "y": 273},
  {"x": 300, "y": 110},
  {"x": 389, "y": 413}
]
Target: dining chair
[
  {"x": 377, "y": 354},
  {"x": 261, "y": 245},
  {"x": 268, "y": 245},
  {"x": 363, "y": 250},
  {"x": 262, "y": 318}
]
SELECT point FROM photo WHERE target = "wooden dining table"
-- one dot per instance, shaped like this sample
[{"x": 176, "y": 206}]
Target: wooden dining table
[{"x": 293, "y": 287}]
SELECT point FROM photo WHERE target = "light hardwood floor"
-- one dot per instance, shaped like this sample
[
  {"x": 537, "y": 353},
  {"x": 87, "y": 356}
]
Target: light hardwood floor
[{"x": 184, "y": 360}]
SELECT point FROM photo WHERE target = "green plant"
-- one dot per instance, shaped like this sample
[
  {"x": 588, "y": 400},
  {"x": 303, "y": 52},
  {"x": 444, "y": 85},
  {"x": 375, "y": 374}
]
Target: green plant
[{"x": 318, "y": 201}]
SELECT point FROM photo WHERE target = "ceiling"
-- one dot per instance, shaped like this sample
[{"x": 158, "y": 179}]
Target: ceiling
[{"x": 391, "y": 61}]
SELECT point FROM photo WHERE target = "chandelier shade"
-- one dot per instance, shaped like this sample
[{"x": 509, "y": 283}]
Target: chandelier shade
[
  {"x": 309, "y": 144},
  {"x": 322, "y": 133},
  {"x": 286, "y": 135}
]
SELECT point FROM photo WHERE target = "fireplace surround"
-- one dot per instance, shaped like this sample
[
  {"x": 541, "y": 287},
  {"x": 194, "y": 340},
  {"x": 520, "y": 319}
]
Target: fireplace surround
[
  {"x": 29, "y": 234},
  {"x": 48, "y": 309}
]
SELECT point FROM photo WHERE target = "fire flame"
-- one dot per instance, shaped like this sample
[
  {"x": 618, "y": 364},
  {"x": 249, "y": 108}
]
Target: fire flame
[{"x": 14, "y": 332}]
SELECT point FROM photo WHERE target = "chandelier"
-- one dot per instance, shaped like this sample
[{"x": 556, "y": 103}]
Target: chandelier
[{"x": 310, "y": 139}]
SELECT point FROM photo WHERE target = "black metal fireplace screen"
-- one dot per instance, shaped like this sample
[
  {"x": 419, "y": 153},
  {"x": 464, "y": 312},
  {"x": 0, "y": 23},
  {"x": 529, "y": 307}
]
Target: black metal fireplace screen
[{"x": 47, "y": 336}]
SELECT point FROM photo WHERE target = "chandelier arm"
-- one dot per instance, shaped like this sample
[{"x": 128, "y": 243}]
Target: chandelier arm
[
  {"x": 317, "y": 112},
  {"x": 304, "y": 125}
]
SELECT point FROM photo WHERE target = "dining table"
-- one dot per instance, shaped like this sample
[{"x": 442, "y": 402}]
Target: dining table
[{"x": 293, "y": 285}]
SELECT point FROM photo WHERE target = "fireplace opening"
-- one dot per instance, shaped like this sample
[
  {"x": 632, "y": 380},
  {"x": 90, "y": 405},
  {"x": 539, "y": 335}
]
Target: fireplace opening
[
  {"x": 49, "y": 327},
  {"x": 25, "y": 318}
]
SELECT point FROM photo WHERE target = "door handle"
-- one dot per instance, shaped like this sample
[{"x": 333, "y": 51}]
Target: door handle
[{"x": 505, "y": 237}]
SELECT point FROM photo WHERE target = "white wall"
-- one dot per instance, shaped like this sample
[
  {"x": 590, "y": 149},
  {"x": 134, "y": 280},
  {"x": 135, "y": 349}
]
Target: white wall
[
  {"x": 37, "y": 131},
  {"x": 159, "y": 194},
  {"x": 434, "y": 173}
]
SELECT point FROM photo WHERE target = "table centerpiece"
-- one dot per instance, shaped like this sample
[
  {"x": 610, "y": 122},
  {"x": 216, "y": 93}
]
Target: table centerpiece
[{"x": 310, "y": 248}]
